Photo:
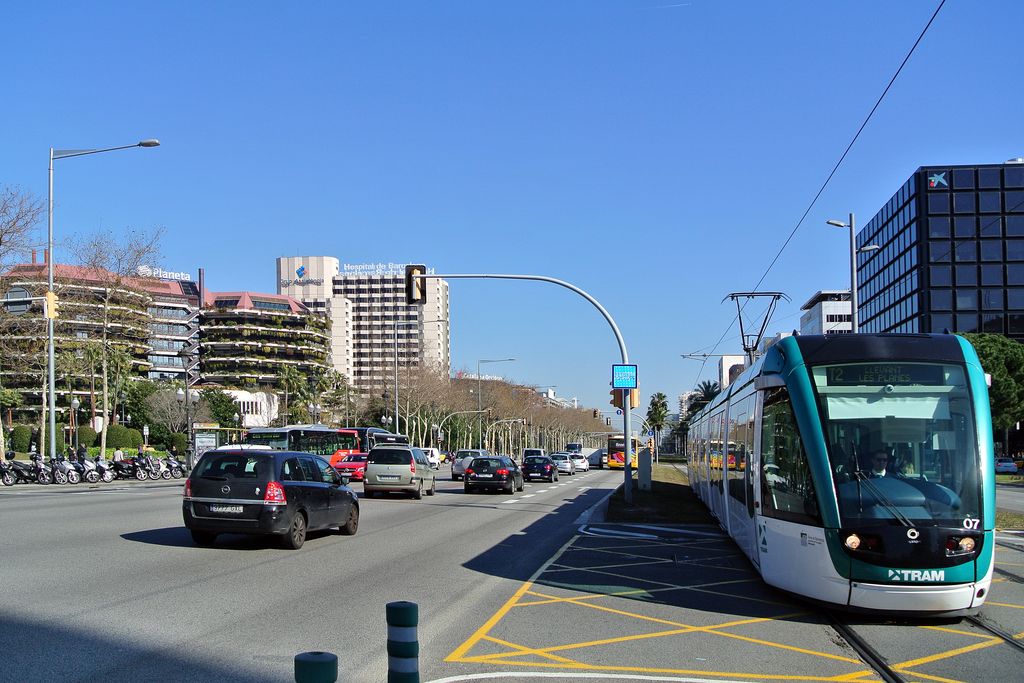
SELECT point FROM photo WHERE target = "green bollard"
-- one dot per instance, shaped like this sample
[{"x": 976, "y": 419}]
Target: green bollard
[
  {"x": 316, "y": 667},
  {"x": 403, "y": 645}
]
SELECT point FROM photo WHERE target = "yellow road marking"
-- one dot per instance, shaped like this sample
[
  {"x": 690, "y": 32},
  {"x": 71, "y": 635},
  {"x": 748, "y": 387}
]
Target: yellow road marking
[
  {"x": 956, "y": 631},
  {"x": 947, "y": 654},
  {"x": 489, "y": 624},
  {"x": 1004, "y": 604},
  {"x": 932, "y": 678},
  {"x": 651, "y": 670},
  {"x": 527, "y": 651}
]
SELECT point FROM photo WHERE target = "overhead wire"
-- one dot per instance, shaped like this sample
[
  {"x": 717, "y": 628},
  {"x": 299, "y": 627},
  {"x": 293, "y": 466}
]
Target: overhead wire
[{"x": 835, "y": 168}]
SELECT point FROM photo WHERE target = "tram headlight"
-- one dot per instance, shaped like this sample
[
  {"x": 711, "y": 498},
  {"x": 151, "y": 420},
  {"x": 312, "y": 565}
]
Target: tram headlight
[
  {"x": 966, "y": 544},
  {"x": 852, "y": 541}
]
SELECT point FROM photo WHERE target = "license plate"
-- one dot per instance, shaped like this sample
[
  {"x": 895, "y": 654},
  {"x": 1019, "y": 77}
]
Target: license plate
[
  {"x": 235, "y": 509},
  {"x": 388, "y": 477},
  {"x": 484, "y": 476}
]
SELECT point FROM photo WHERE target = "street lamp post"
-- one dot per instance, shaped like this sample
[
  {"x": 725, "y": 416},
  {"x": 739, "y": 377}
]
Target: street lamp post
[
  {"x": 394, "y": 336},
  {"x": 74, "y": 418},
  {"x": 184, "y": 397},
  {"x": 63, "y": 154},
  {"x": 854, "y": 325},
  {"x": 479, "y": 398}
]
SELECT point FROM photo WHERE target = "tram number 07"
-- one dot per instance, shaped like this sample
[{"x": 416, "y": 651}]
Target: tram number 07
[{"x": 970, "y": 523}]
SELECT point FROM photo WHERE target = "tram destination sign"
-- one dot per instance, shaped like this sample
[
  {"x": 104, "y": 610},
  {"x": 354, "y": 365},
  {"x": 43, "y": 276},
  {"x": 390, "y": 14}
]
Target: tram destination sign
[
  {"x": 881, "y": 374},
  {"x": 624, "y": 377}
]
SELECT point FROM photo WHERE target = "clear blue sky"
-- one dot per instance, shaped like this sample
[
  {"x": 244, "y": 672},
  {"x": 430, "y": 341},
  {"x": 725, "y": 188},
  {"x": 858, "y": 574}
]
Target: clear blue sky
[{"x": 655, "y": 153}]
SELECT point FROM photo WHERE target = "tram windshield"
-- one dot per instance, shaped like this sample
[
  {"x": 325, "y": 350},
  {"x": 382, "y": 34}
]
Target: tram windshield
[{"x": 902, "y": 442}]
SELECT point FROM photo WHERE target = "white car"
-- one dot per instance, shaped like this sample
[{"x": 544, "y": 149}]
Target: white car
[
  {"x": 564, "y": 462},
  {"x": 433, "y": 457},
  {"x": 581, "y": 462},
  {"x": 1006, "y": 466}
]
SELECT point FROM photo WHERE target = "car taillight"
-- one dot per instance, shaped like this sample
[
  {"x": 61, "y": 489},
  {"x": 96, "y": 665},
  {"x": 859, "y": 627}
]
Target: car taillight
[
  {"x": 188, "y": 489},
  {"x": 274, "y": 494},
  {"x": 469, "y": 470},
  {"x": 502, "y": 472},
  {"x": 547, "y": 468},
  {"x": 412, "y": 466}
]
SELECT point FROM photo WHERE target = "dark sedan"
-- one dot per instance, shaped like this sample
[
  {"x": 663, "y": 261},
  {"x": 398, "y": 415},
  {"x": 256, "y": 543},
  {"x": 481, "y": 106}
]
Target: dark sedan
[
  {"x": 539, "y": 467},
  {"x": 493, "y": 472},
  {"x": 268, "y": 493}
]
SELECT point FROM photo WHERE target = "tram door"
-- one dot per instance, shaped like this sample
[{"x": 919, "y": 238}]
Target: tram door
[
  {"x": 717, "y": 503},
  {"x": 737, "y": 473}
]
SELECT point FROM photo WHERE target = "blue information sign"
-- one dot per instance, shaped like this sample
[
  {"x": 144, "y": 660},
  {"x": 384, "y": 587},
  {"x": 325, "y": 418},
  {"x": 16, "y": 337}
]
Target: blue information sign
[{"x": 623, "y": 377}]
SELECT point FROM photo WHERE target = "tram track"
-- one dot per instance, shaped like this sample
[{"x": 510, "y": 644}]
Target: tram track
[
  {"x": 1007, "y": 638},
  {"x": 866, "y": 651}
]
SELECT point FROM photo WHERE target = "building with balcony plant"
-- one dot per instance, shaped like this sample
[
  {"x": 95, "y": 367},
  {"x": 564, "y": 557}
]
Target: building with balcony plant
[
  {"x": 247, "y": 339},
  {"x": 91, "y": 301}
]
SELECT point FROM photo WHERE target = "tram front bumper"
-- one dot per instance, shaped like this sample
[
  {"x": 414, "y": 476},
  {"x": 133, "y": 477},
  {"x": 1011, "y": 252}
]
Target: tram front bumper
[{"x": 949, "y": 600}]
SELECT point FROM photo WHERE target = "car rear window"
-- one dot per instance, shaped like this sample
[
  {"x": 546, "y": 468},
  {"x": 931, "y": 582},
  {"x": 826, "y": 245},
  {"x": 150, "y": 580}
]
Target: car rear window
[
  {"x": 233, "y": 465},
  {"x": 485, "y": 465},
  {"x": 389, "y": 456},
  {"x": 535, "y": 459},
  {"x": 466, "y": 454},
  {"x": 559, "y": 456}
]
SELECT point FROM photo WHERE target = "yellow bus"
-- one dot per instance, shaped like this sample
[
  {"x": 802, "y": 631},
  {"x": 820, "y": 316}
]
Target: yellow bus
[{"x": 616, "y": 452}]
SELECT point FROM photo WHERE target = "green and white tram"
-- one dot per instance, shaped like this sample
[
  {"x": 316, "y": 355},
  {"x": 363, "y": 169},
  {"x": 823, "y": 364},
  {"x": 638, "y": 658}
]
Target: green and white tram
[{"x": 870, "y": 480}]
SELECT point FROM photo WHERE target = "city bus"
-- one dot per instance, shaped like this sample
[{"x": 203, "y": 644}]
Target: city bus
[
  {"x": 330, "y": 442},
  {"x": 315, "y": 439},
  {"x": 616, "y": 452}
]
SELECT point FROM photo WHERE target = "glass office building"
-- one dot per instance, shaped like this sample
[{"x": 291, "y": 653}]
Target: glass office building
[{"x": 950, "y": 254}]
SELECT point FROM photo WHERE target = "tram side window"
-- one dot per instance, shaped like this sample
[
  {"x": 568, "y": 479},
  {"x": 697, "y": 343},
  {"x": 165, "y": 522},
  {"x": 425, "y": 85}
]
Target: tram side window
[
  {"x": 786, "y": 482},
  {"x": 737, "y": 448}
]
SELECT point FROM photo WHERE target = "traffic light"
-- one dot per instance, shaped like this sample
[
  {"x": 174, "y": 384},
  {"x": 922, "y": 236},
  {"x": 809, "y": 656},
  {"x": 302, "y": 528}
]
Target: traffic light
[
  {"x": 415, "y": 287},
  {"x": 650, "y": 445},
  {"x": 634, "y": 398},
  {"x": 616, "y": 398},
  {"x": 51, "y": 305},
  {"x": 608, "y": 421},
  {"x": 597, "y": 414}
]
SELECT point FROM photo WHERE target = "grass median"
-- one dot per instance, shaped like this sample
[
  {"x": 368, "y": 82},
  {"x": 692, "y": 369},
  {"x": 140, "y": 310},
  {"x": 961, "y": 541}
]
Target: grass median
[{"x": 670, "y": 501}]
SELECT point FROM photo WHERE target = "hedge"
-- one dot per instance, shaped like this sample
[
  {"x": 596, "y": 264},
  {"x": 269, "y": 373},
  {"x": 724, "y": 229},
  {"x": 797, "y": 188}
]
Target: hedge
[
  {"x": 86, "y": 436},
  {"x": 21, "y": 438},
  {"x": 118, "y": 436}
]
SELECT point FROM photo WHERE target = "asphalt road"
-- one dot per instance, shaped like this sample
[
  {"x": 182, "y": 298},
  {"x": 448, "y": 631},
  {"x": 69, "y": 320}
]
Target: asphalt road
[
  {"x": 1010, "y": 497},
  {"x": 105, "y": 584}
]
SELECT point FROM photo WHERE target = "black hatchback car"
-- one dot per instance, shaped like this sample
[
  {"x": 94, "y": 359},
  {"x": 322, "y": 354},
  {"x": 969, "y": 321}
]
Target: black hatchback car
[
  {"x": 493, "y": 472},
  {"x": 539, "y": 467},
  {"x": 266, "y": 492}
]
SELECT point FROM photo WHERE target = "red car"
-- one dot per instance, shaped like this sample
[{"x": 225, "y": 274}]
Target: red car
[{"x": 353, "y": 464}]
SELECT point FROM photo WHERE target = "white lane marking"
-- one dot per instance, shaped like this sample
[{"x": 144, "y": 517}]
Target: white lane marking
[
  {"x": 592, "y": 676},
  {"x": 614, "y": 533},
  {"x": 528, "y": 495},
  {"x": 675, "y": 530},
  {"x": 509, "y": 502}
]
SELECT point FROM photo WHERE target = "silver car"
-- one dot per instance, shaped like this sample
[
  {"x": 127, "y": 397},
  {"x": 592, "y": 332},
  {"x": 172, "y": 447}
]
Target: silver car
[
  {"x": 398, "y": 468},
  {"x": 564, "y": 462},
  {"x": 581, "y": 462},
  {"x": 462, "y": 460}
]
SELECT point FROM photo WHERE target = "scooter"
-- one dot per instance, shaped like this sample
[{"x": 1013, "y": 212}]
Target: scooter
[
  {"x": 128, "y": 469},
  {"x": 7, "y": 473},
  {"x": 104, "y": 468},
  {"x": 63, "y": 472},
  {"x": 34, "y": 473},
  {"x": 87, "y": 470}
]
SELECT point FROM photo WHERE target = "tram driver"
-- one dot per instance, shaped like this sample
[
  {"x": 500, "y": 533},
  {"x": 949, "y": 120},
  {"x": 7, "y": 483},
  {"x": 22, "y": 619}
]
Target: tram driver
[{"x": 879, "y": 463}]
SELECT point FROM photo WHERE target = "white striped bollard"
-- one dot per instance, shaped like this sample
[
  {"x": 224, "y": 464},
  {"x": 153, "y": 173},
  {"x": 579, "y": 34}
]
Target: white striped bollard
[{"x": 403, "y": 645}]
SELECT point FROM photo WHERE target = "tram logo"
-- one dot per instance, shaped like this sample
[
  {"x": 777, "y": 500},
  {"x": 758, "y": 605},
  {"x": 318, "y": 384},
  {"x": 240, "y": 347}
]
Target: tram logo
[
  {"x": 937, "y": 180},
  {"x": 913, "y": 534},
  {"x": 917, "y": 575}
]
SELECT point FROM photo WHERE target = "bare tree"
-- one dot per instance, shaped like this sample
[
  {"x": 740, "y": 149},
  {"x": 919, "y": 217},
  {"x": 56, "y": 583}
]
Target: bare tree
[
  {"x": 114, "y": 260},
  {"x": 165, "y": 409},
  {"x": 19, "y": 214}
]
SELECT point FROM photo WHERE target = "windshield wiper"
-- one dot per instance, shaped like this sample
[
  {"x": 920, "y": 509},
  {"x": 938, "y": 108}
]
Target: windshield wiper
[{"x": 881, "y": 499}]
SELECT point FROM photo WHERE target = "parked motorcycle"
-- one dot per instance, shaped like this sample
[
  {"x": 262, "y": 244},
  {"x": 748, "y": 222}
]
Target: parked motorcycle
[
  {"x": 30, "y": 473},
  {"x": 129, "y": 469},
  {"x": 7, "y": 473},
  {"x": 63, "y": 472},
  {"x": 105, "y": 469},
  {"x": 176, "y": 466},
  {"x": 86, "y": 469}
]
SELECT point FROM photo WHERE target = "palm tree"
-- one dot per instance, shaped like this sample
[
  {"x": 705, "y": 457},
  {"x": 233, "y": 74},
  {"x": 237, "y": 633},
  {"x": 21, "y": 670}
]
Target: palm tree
[
  {"x": 657, "y": 414},
  {"x": 291, "y": 382},
  {"x": 706, "y": 392}
]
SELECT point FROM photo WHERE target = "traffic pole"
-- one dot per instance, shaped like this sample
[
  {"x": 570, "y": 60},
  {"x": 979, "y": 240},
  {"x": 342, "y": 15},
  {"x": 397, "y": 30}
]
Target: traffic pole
[
  {"x": 403, "y": 644},
  {"x": 316, "y": 667}
]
